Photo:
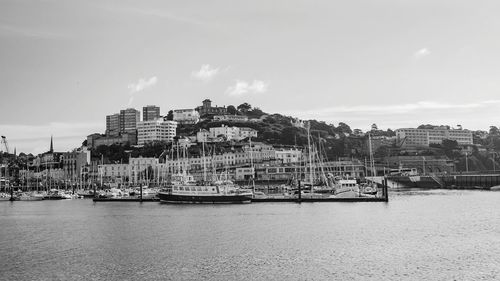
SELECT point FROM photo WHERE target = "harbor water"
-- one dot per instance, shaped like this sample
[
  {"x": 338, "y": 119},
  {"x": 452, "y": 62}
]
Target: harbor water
[{"x": 434, "y": 235}]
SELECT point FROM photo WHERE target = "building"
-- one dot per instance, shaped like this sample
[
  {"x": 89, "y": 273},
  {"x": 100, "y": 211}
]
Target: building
[
  {"x": 113, "y": 124},
  {"x": 74, "y": 162},
  {"x": 156, "y": 130},
  {"x": 186, "y": 116},
  {"x": 96, "y": 140},
  {"x": 229, "y": 133},
  {"x": 208, "y": 110},
  {"x": 202, "y": 135},
  {"x": 287, "y": 156},
  {"x": 232, "y": 133},
  {"x": 128, "y": 120},
  {"x": 425, "y": 137},
  {"x": 150, "y": 112},
  {"x": 231, "y": 118},
  {"x": 245, "y": 132}
]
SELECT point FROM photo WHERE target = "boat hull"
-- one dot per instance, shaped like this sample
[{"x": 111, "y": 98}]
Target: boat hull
[{"x": 203, "y": 199}]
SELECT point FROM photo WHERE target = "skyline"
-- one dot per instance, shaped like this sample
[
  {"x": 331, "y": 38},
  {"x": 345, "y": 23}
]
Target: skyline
[{"x": 64, "y": 66}]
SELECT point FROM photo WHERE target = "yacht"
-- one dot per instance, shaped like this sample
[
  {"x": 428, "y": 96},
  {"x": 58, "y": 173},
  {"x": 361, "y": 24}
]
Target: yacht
[
  {"x": 185, "y": 190},
  {"x": 346, "y": 188}
]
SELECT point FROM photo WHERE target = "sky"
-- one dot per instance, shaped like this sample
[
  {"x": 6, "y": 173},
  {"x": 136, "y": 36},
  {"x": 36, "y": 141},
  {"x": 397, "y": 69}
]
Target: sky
[{"x": 65, "y": 65}]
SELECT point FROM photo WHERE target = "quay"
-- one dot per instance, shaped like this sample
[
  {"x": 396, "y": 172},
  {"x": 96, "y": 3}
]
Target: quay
[
  {"x": 263, "y": 200},
  {"x": 384, "y": 197}
]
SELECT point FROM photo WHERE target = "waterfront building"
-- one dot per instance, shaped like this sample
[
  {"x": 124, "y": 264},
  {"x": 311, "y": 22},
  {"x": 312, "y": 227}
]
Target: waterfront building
[
  {"x": 186, "y": 116},
  {"x": 150, "y": 112},
  {"x": 156, "y": 130},
  {"x": 287, "y": 156},
  {"x": 259, "y": 152},
  {"x": 231, "y": 118},
  {"x": 208, "y": 110},
  {"x": 425, "y": 137},
  {"x": 128, "y": 120},
  {"x": 73, "y": 163},
  {"x": 113, "y": 124}
]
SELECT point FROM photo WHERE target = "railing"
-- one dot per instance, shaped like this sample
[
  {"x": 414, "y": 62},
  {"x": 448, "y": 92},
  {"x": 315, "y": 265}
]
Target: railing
[{"x": 437, "y": 180}]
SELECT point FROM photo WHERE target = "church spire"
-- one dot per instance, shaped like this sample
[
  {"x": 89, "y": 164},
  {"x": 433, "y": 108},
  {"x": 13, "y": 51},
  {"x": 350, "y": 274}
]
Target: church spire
[{"x": 51, "y": 145}]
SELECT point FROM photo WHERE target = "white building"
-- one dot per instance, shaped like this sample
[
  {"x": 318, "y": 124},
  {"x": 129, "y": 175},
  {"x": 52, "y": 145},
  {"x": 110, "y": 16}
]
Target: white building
[
  {"x": 288, "y": 155},
  {"x": 155, "y": 130},
  {"x": 186, "y": 116},
  {"x": 202, "y": 135},
  {"x": 247, "y": 132},
  {"x": 232, "y": 133},
  {"x": 425, "y": 137},
  {"x": 229, "y": 133}
]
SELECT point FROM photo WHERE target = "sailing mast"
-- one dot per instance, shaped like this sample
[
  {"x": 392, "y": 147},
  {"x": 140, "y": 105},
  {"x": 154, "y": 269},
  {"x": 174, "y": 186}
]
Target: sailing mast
[
  {"x": 204, "y": 164},
  {"x": 372, "y": 164},
  {"x": 311, "y": 177},
  {"x": 251, "y": 164}
]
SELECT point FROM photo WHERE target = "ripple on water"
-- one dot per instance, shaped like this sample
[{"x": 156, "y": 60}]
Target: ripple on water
[{"x": 438, "y": 235}]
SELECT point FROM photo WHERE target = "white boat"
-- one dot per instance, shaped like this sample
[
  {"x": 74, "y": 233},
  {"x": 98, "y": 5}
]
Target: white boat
[
  {"x": 346, "y": 188},
  {"x": 185, "y": 190}
]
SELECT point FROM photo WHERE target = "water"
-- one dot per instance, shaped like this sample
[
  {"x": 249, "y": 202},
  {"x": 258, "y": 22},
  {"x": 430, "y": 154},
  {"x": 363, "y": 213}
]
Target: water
[{"x": 435, "y": 235}]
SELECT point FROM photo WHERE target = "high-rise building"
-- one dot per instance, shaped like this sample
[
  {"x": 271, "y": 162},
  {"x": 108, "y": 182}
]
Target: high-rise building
[
  {"x": 150, "y": 112},
  {"x": 156, "y": 130},
  {"x": 128, "y": 120},
  {"x": 113, "y": 124}
]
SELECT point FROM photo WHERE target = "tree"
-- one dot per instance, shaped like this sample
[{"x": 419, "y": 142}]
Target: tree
[
  {"x": 255, "y": 113},
  {"x": 244, "y": 107},
  {"x": 344, "y": 128},
  {"x": 232, "y": 110},
  {"x": 170, "y": 115},
  {"x": 494, "y": 131}
]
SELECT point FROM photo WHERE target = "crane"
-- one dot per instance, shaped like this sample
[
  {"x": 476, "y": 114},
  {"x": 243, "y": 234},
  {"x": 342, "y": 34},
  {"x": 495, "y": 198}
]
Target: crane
[{"x": 4, "y": 141}]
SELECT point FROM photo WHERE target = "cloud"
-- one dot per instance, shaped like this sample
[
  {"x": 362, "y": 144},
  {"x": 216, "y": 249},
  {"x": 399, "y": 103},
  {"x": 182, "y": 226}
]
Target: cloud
[
  {"x": 206, "y": 73},
  {"x": 420, "y": 54},
  {"x": 140, "y": 86},
  {"x": 243, "y": 87}
]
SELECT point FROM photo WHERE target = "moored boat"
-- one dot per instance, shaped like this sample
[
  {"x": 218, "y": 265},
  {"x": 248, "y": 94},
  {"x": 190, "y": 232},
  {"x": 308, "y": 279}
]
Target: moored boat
[{"x": 218, "y": 192}]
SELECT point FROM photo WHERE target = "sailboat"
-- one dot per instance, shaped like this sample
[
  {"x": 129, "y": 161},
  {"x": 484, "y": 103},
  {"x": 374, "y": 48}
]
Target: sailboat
[
  {"x": 185, "y": 190},
  {"x": 340, "y": 187}
]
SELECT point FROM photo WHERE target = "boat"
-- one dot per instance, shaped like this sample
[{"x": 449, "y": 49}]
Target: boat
[
  {"x": 30, "y": 196},
  {"x": 495, "y": 188},
  {"x": 185, "y": 190},
  {"x": 54, "y": 194},
  {"x": 86, "y": 194},
  {"x": 346, "y": 188}
]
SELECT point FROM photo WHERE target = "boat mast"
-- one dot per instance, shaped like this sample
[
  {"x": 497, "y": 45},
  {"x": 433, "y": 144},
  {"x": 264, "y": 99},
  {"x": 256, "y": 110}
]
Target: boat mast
[
  {"x": 204, "y": 164},
  {"x": 310, "y": 154},
  {"x": 372, "y": 164},
  {"x": 251, "y": 164}
]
